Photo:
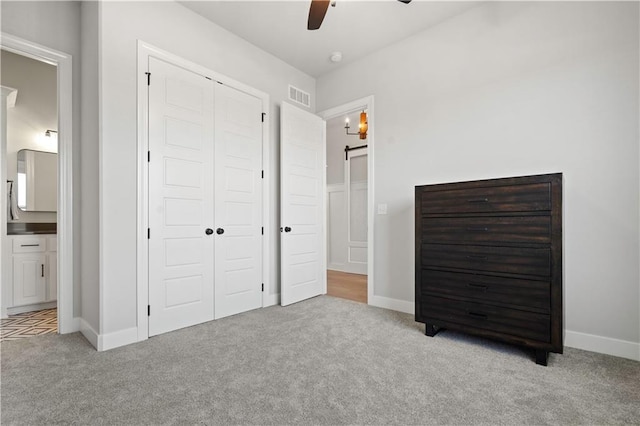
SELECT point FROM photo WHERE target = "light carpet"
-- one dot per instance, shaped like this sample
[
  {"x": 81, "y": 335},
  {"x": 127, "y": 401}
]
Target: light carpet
[{"x": 322, "y": 361}]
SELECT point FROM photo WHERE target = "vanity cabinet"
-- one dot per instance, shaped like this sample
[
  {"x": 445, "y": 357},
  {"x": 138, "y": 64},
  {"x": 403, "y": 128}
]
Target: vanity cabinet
[{"x": 34, "y": 269}]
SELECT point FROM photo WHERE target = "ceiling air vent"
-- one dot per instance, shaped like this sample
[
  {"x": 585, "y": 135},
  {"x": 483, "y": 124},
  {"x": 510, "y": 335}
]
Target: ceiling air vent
[{"x": 300, "y": 97}]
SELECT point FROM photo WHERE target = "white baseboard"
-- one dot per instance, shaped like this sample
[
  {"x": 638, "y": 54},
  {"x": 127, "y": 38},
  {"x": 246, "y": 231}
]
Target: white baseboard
[
  {"x": 603, "y": 345},
  {"x": 117, "y": 339},
  {"x": 393, "y": 304},
  {"x": 74, "y": 325},
  {"x": 89, "y": 333},
  {"x": 360, "y": 269},
  {"x": 272, "y": 300},
  {"x": 573, "y": 339},
  {"x": 30, "y": 308}
]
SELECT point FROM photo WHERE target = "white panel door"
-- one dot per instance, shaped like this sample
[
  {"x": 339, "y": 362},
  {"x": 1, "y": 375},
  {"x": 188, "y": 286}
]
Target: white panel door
[
  {"x": 356, "y": 217},
  {"x": 180, "y": 198},
  {"x": 302, "y": 173},
  {"x": 238, "y": 201}
]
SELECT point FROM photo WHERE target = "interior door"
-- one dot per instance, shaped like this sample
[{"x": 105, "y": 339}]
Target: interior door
[
  {"x": 238, "y": 205},
  {"x": 356, "y": 191},
  {"x": 181, "y": 274},
  {"x": 302, "y": 177}
]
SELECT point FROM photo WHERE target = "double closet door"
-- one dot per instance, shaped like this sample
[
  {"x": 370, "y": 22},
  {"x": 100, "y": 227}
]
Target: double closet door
[{"x": 205, "y": 199}]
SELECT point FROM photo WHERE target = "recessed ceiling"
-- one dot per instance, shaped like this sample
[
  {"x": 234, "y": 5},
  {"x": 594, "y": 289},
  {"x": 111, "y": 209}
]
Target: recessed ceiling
[{"x": 354, "y": 27}]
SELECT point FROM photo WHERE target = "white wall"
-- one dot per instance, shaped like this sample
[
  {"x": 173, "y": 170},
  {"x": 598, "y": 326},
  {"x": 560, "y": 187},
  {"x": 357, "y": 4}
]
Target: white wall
[
  {"x": 36, "y": 110},
  {"x": 89, "y": 160},
  {"x": 337, "y": 139},
  {"x": 510, "y": 89},
  {"x": 55, "y": 25},
  {"x": 176, "y": 29}
]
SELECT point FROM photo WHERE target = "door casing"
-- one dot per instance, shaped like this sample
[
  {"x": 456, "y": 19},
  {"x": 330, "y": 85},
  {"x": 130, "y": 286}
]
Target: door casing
[
  {"x": 67, "y": 323},
  {"x": 145, "y": 51}
]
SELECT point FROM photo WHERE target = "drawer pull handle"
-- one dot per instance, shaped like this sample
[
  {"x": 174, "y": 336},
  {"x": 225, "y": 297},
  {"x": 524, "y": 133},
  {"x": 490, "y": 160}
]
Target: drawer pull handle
[
  {"x": 29, "y": 245},
  {"x": 478, "y": 286},
  {"x": 477, "y": 315},
  {"x": 477, "y": 229},
  {"x": 476, "y": 257},
  {"x": 42, "y": 271},
  {"x": 478, "y": 200}
]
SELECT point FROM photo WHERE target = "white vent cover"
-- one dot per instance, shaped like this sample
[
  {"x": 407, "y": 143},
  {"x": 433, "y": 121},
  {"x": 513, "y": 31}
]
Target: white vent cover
[{"x": 300, "y": 97}]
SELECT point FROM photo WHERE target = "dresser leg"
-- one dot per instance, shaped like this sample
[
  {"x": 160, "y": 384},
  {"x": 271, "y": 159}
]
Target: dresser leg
[
  {"x": 430, "y": 330},
  {"x": 541, "y": 357}
]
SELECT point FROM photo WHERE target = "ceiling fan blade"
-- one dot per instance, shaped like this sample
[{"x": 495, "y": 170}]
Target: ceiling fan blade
[{"x": 316, "y": 13}]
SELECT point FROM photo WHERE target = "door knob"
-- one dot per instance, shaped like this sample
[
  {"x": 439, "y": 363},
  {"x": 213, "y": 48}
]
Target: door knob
[
  {"x": 287, "y": 229},
  {"x": 219, "y": 231},
  {"x": 208, "y": 231}
]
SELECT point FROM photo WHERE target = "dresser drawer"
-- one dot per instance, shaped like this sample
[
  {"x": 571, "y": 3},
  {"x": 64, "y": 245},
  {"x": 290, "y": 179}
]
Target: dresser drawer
[
  {"x": 510, "y": 229},
  {"x": 510, "y": 260},
  {"x": 487, "y": 317},
  {"x": 526, "y": 294},
  {"x": 511, "y": 198},
  {"x": 29, "y": 244}
]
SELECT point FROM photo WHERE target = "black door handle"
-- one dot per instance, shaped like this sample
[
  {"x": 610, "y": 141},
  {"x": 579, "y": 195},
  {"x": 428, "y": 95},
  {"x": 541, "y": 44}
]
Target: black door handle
[
  {"x": 219, "y": 231},
  {"x": 287, "y": 229},
  {"x": 208, "y": 231}
]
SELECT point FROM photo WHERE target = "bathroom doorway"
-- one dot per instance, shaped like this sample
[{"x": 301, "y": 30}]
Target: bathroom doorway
[{"x": 30, "y": 201}]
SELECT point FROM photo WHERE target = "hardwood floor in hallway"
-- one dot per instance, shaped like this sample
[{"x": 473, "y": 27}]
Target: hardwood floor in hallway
[{"x": 347, "y": 286}]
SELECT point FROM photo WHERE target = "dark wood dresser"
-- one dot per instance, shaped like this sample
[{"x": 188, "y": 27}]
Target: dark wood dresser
[{"x": 489, "y": 260}]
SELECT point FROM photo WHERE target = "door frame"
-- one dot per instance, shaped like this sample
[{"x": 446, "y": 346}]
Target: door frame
[
  {"x": 145, "y": 50},
  {"x": 328, "y": 114},
  {"x": 63, "y": 61}
]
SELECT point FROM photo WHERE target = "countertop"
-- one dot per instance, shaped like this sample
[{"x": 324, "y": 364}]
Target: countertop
[{"x": 18, "y": 228}]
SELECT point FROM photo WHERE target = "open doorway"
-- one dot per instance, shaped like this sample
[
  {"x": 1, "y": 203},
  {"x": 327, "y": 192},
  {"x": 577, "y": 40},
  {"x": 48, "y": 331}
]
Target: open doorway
[
  {"x": 30, "y": 149},
  {"x": 347, "y": 205}
]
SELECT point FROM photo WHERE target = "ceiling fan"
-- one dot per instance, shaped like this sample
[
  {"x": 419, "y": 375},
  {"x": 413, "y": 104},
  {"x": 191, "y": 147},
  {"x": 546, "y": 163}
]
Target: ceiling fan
[{"x": 318, "y": 10}]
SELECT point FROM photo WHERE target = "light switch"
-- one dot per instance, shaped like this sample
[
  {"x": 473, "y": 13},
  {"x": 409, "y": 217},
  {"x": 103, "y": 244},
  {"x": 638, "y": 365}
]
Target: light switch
[{"x": 382, "y": 209}]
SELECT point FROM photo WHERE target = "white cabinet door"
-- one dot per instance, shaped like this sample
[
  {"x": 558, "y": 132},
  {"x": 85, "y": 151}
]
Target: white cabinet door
[
  {"x": 302, "y": 174},
  {"x": 52, "y": 276},
  {"x": 29, "y": 278},
  {"x": 181, "y": 239},
  {"x": 238, "y": 201}
]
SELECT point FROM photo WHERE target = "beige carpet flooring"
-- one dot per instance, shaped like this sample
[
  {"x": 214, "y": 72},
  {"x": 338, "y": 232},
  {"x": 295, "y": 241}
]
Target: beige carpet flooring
[{"x": 324, "y": 361}]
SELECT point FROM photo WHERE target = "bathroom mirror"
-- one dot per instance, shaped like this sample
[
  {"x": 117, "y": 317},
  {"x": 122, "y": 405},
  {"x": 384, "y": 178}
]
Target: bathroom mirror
[{"x": 37, "y": 186}]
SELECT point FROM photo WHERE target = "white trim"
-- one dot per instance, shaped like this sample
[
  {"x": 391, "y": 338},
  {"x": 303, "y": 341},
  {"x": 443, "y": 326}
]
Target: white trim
[
  {"x": 272, "y": 299},
  {"x": 143, "y": 194},
  {"x": 145, "y": 51},
  {"x": 117, "y": 339},
  {"x": 5, "y": 248},
  {"x": 363, "y": 103},
  {"x": 603, "y": 345},
  {"x": 63, "y": 61},
  {"x": 89, "y": 333},
  {"x": 392, "y": 304},
  {"x": 30, "y": 308},
  {"x": 266, "y": 204}
]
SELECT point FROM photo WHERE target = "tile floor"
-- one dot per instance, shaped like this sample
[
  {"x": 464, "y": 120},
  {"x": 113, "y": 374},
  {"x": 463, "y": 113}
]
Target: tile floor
[{"x": 29, "y": 324}]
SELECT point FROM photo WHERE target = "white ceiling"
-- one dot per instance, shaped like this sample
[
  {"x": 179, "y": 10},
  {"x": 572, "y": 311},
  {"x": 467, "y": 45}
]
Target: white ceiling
[{"x": 354, "y": 27}]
